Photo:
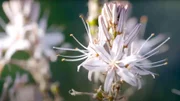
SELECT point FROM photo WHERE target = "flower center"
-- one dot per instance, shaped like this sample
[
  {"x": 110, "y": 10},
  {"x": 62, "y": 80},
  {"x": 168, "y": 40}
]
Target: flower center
[{"x": 113, "y": 64}]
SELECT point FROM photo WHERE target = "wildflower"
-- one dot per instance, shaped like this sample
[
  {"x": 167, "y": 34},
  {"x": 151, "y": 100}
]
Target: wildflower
[
  {"x": 111, "y": 63},
  {"x": 130, "y": 62},
  {"x": 115, "y": 50}
]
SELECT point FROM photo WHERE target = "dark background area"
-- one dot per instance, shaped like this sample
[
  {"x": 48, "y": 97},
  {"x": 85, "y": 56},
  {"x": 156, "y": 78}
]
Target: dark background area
[{"x": 164, "y": 17}]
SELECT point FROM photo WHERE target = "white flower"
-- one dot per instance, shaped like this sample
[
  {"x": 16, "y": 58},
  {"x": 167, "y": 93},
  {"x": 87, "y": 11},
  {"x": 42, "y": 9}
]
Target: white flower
[
  {"x": 116, "y": 50},
  {"x": 13, "y": 42},
  {"x": 109, "y": 62},
  {"x": 132, "y": 62},
  {"x": 20, "y": 15}
]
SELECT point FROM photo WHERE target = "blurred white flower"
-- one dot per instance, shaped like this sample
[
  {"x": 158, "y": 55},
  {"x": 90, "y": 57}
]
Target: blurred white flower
[
  {"x": 20, "y": 16},
  {"x": 25, "y": 33},
  {"x": 45, "y": 41}
]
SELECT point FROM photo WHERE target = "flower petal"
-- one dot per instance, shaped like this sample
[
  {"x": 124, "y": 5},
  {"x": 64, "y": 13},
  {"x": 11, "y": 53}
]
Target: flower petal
[
  {"x": 50, "y": 53},
  {"x": 35, "y": 10},
  {"x": 52, "y": 39},
  {"x": 90, "y": 75},
  {"x": 117, "y": 47},
  {"x": 103, "y": 54},
  {"x": 18, "y": 45},
  {"x": 94, "y": 64},
  {"x": 127, "y": 76},
  {"x": 130, "y": 24},
  {"x": 109, "y": 80}
]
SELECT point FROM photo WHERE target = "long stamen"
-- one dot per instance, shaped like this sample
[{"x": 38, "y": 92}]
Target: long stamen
[
  {"x": 77, "y": 41},
  {"x": 160, "y": 61},
  {"x": 158, "y": 65},
  {"x": 145, "y": 43},
  {"x": 68, "y": 49},
  {"x": 158, "y": 46},
  {"x": 147, "y": 56},
  {"x": 85, "y": 25},
  {"x": 143, "y": 69},
  {"x": 67, "y": 56},
  {"x": 89, "y": 34},
  {"x": 64, "y": 59}
]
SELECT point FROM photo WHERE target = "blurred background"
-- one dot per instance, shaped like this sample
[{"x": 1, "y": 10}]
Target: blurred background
[{"x": 163, "y": 17}]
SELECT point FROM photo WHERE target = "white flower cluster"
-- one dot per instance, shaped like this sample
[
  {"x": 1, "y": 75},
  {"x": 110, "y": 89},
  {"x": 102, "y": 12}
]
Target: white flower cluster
[
  {"x": 117, "y": 50},
  {"x": 25, "y": 32}
]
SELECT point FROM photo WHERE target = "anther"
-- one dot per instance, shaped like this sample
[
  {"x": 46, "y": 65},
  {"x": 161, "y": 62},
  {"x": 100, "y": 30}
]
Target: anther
[
  {"x": 127, "y": 65},
  {"x": 63, "y": 59},
  {"x": 165, "y": 63},
  {"x": 119, "y": 33},
  {"x": 87, "y": 21},
  {"x": 97, "y": 55},
  {"x": 125, "y": 46},
  {"x": 152, "y": 34},
  {"x": 71, "y": 34},
  {"x": 81, "y": 16},
  {"x": 144, "y": 19}
]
